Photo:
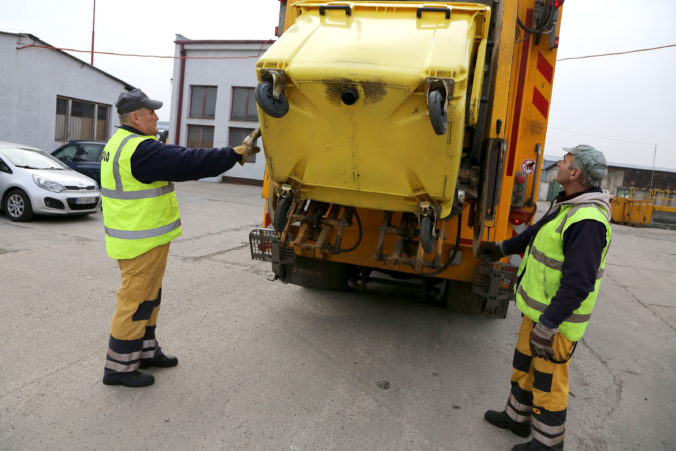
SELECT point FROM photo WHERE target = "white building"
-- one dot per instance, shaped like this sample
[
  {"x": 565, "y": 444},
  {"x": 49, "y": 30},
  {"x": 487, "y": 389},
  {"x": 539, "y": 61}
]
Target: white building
[
  {"x": 212, "y": 99},
  {"x": 48, "y": 97}
]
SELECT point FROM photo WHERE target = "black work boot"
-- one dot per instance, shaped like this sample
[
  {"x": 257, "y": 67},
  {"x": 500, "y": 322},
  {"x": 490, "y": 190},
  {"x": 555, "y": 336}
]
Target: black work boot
[
  {"x": 160, "y": 360},
  {"x": 528, "y": 446},
  {"x": 130, "y": 379},
  {"x": 501, "y": 420}
]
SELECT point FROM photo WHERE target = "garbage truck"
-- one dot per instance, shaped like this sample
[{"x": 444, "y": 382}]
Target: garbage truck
[{"x": 398, "y": 136}]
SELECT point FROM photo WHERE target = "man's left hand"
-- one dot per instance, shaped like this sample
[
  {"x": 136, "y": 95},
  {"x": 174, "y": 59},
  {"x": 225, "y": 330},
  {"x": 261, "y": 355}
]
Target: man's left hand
[{"x": 542, "y": 341}]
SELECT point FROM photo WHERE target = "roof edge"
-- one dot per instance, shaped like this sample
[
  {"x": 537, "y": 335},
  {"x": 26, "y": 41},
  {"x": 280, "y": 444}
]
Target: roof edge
[
  {"x": 126, "y": 85},
  {"x": 223, "y": 41}
]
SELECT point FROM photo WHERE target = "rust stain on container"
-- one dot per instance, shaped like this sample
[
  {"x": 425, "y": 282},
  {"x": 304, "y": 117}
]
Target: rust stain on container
[{"x": 372, "y": 91}]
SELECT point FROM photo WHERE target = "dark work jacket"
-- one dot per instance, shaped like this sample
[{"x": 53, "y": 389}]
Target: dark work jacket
[
  {"x": 154, "y": 161},
  {"x": 583, "y": 244}
]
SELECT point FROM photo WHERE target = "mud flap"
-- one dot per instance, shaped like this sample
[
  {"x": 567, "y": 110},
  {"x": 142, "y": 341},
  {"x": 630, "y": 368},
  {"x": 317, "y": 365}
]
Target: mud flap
[{"x": 314, "y": 273}]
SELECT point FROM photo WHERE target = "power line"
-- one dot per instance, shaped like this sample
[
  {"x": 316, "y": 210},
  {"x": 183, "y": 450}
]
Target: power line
[
  {"x": 267, "y": 42},
  {"x": 617, "y": 53},
  {"x": 602, "y": 137},
  {"x": 49, "y": 47}
]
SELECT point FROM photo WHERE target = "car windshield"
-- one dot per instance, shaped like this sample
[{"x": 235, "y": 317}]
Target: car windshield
[{"x": 31, "y": 159}]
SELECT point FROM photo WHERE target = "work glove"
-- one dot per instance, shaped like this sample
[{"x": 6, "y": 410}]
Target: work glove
[
  {"x": 490, "y": 251},
  {"x": 248, "y": 146},
  {"x": 541, "y": 341}
]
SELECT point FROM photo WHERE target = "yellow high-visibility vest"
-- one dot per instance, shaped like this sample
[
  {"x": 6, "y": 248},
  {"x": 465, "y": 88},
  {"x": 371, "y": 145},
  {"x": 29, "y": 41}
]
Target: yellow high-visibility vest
[
  {"x": 137, "y": 216},
  {"x": 544, "y": 260}
]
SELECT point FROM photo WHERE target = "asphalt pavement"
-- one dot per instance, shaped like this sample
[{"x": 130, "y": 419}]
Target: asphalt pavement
[{"x": 264, "y": 365}]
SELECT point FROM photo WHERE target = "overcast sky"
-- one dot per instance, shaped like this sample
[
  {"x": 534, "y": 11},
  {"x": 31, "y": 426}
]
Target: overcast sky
[{"x": 624, "y": 105}]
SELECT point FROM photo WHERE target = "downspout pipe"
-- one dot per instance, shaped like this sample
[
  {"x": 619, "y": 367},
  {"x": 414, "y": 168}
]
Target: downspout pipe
[{"x": 180, "y": 96}]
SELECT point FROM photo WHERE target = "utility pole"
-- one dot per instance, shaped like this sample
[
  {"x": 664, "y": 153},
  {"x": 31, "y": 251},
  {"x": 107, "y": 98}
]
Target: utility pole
[
  {"x": 652, "y": 175},
  {"x": 93, "y": 23}
]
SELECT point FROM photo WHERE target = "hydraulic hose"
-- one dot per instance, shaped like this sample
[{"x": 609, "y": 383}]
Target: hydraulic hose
[{"x": 356, "y": 245}]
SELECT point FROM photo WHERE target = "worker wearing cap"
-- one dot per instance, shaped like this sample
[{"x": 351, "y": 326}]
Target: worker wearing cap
[
  {"x": 556, "y": 288},
  {"x": 141, "y": 218}
]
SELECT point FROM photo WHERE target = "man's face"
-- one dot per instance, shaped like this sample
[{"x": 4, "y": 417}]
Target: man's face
[
  {"x": 146, "y": 121},
  {"x": 566, "y": 174}
]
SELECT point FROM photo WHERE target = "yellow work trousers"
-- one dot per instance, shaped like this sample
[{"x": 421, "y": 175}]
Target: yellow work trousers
[
  {"x": 539, "y": 394},
  {"x": 132, "y": 334}
]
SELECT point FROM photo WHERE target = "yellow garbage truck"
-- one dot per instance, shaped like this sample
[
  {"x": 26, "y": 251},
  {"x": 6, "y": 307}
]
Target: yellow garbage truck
[{"x": 398, "y": 136}]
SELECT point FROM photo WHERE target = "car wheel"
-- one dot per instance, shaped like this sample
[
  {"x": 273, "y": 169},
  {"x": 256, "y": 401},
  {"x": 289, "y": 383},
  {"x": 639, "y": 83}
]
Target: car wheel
[{"x": 18, "y": 206}]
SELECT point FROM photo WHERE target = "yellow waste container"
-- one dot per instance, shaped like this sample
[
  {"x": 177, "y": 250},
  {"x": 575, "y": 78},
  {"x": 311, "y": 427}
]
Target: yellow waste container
[
  {"x": 639, "y": 212},
  {"x": 617, "y": 206},
  {"x": 365, "y": 103}
]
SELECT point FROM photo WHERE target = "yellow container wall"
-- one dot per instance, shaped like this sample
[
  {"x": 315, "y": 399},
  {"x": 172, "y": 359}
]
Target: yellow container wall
[
  {"x": 382, "y": 151},
  {"x": 639, "y": 212},
  {"x": 617, "y": 207}
]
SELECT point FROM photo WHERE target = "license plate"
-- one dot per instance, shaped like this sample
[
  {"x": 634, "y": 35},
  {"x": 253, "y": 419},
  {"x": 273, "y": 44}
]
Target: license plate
[{"x": 86, "y": 200}]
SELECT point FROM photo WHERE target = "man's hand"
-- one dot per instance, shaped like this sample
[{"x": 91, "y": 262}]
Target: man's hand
[
  {"x": 248, "y": 146},
  {"x": 490, "y": 251},
  {"x": 541, "y": 341}
]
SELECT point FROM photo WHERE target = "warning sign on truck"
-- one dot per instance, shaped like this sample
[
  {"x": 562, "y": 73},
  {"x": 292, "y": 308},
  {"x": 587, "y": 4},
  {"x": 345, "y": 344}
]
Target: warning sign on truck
[{"x": 528, "y": 166}]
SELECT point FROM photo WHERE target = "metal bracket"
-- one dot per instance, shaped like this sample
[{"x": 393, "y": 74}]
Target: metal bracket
[
  {"x": 278, "y": 80},
  {"x": 432, "y": 83}
]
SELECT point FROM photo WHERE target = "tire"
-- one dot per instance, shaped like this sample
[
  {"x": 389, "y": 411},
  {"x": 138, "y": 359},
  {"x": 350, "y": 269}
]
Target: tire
[
  {"x": 271, "y": 106},
  {"x": 438, "y": 115},
  {"x": 17, "y": 206},
  {"x": 426, "y": 234},
  {"x": 281, "y": 214}
]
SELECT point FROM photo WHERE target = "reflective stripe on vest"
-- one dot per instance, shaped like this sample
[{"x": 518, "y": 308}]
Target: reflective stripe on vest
[
  {"x": 140, "y": 234},
  {"x": 143, "y": 194},
  {"x": 137, "y": 216},
  {"x": 540, "y": 270},
  {"x": 540, "y": 307}
]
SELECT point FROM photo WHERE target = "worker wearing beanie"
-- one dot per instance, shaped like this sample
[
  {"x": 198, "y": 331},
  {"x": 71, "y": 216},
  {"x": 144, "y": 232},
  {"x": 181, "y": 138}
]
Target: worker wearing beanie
[
  {"x": 557, "y": 286},
  {"x": 141, "y": 218}
]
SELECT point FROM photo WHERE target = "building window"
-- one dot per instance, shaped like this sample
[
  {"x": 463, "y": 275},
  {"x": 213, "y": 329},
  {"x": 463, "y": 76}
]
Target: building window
[
  {"x": 243, "y": 105},
  {"x": 102, "y": 122},
  {"x": 235, "y": 137},
  {"x": 200, "y": 136},
  {"x": 79, "y": 119},
  {"x": 203, "y": 102}
]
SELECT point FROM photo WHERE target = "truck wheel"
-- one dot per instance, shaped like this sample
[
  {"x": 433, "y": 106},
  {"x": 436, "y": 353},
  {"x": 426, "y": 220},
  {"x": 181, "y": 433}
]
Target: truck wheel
[
  {"x": 281, "y": 214},
  {"x": 18, "y": 206},
  {"x": 438, "y": 115},
  {"x": 271, "y": 106},
  {"x": 426, "y": 234}
]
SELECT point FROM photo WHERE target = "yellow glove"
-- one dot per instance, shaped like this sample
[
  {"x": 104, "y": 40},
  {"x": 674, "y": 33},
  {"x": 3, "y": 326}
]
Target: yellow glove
[{"x": 248, "y": 146}]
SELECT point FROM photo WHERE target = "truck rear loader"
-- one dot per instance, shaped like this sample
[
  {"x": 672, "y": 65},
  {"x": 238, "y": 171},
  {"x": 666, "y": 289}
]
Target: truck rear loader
[{"x": 398, "y": 136}]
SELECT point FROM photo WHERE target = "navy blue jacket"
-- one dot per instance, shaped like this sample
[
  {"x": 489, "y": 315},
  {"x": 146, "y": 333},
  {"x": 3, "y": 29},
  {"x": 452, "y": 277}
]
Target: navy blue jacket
[
  {"x": 583, "y": 244},
  {"x": 154, "y": 161}
]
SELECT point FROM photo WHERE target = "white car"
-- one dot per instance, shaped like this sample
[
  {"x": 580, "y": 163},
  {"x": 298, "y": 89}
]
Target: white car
[{"x": 33, "y": 182}]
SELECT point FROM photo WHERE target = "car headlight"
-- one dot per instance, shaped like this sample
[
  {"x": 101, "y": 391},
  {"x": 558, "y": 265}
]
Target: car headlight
[{"x": 48, "y": 184}]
